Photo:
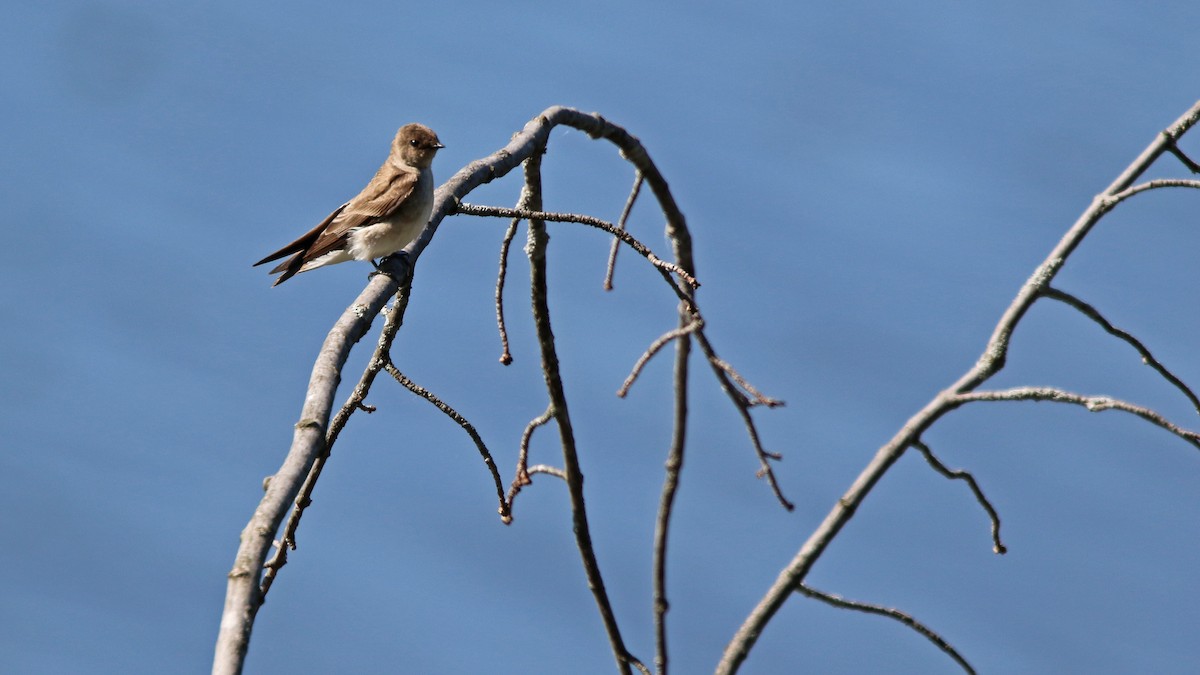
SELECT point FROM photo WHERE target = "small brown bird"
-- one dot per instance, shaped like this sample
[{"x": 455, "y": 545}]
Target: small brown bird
[{"x": 388, "y": 214}]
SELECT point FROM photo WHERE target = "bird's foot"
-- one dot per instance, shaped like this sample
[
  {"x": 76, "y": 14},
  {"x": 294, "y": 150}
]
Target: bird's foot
[{"x": 396, "y": 270}]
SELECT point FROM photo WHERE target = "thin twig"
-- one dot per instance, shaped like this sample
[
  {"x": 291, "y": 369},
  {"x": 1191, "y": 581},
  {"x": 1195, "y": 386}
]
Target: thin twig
[
  {"x": 505, "y": 509},
  {"x": 1156, "y": 184},
  {"x": 743, "y": 405},
  {"x": 547, "y": 469},
  {"x": 754, "y": 396},
  {"x": 959, "y": 474},
  {"x": 522, "y": 477},
  {"x": 616, "y": 245},
  {"x": 692, "y": 326},
  {"x": 1147, "y": 358},
  {"x": 1091, "y": 403},
  {"x": 1187, "y": 161},
  {"x": 505, "y": 354},
  {"x": 681, "y": 246},
  {"x": 891, "y": 613},
  {"x": 673, "y": 467},
  {"x": 663, "y": 266}
]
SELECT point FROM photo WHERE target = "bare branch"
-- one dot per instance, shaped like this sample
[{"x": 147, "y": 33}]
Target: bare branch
[
  {"x": 990, "y": 362},
  {"x": 1156, "y": 184},
  {"x": 663, "y": 266},
  {"x": 522, "y": 477},
  {"x": 754, "y": 396},
  {"x": 958, "y": 474},
  {"x": 666, "y": 502},
  {"x": 1187, "y": 161},
  {"x": 681, "y": 246},
  {"x": 612, "y": 254},
  {"x": 547, "y": 469},
  {"x": 1147, "y": 358},
  {"x": 1092, "y": 403},
  {"x": 505, "y": 509},
  {"x": 655, "y": 347},
  {"x": 243, "y": 594},
  {"x": 531, "y": 200},
  {"x": 505, "y": 354},
  {"x": 743, "y": 404},
  {"x": 355, "y": 402},
  {"x": 907, "y": 620}
]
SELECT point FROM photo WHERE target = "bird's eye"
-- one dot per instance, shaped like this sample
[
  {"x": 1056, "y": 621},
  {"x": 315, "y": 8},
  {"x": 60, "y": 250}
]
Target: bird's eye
[{"x": 413, "y": 142}]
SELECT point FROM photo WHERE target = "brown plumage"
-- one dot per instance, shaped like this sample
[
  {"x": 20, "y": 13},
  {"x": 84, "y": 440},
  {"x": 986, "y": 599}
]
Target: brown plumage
[{"x": 389, "y": 213}]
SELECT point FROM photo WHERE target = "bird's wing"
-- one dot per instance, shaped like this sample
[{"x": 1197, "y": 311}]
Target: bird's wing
[
  {"x": 305, "y": 241},
  {"x": 383, "y": 195}
]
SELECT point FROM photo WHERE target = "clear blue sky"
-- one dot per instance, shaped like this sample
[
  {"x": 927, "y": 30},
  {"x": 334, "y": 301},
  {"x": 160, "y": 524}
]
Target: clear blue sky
[{"x": 868, "y": 186}]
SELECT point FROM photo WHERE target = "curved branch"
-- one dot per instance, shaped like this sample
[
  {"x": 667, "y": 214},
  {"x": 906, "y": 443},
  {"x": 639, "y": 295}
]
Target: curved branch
[
  {"x": 1147, "y": 358},
  {"x": 522, "y": 477},
  {"x": 1156, "y": 184},
  {"x": 1092, "y": 403},
  {"x": 891, "y": 613},
  {"x": 505, "y": 509},
  {"x": 243, "y": 595},
  {"x": 663, "y": 266},
  {"x": 287, "y": 541},
  {"x": 692, "y": 325},
  {"x": 612, "y": 254},
  {"x": 958, "y": 474},
  {"x": 505, "y": 244}
]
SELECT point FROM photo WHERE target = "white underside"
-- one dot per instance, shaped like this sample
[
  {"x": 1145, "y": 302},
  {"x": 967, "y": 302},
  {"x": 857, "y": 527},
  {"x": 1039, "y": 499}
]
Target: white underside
[{"x": 372, "y": 242}]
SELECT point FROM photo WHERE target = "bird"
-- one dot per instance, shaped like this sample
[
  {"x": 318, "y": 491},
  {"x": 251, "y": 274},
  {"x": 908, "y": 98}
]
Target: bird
[{"x": 389, "y": 213}]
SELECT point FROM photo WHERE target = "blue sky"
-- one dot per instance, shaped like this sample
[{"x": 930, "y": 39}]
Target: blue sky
[{"x": 867, "y": 186}]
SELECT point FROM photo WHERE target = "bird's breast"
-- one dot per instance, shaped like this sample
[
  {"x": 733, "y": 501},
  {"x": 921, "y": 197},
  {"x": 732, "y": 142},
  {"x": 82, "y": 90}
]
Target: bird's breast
[{"x": 397, "y": 229}]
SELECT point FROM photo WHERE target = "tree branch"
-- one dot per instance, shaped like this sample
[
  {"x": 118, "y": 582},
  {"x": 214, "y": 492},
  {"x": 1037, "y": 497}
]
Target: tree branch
[
  {"x": 505, "y": 244},
  {"x": 891, "y": 613},
  {"x": 531, "y": 200},
  {"x": 957, "y": 474},
  {"x": 989, "y": 363},
  {"x": 616, "y": 245},
  {"x": 505, "y": 509},
  {"x": 1092, "y": 403},
  {"x": 243, "y": 595},
  {"x": 1147, "y": 358},
  {"x": 664, "y": 267},
  {"x": 522, "y": 477},
  {"x": 692, "y": 325}
]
